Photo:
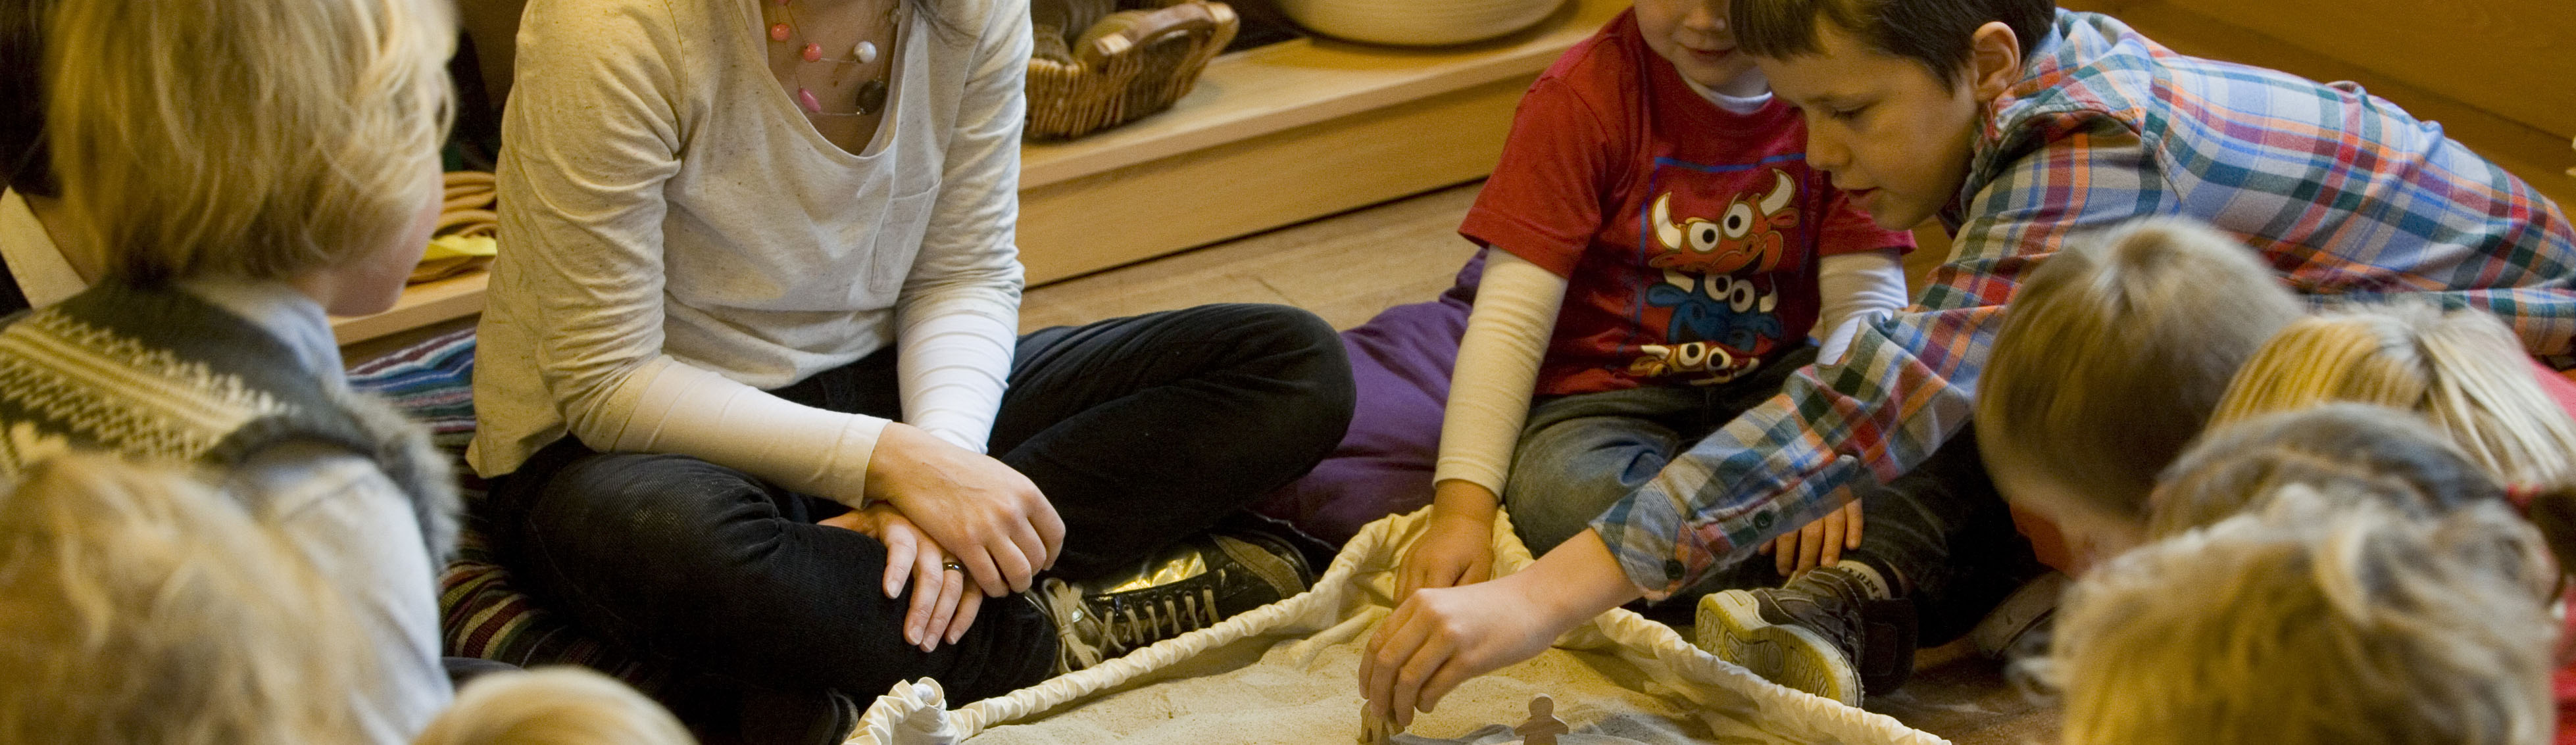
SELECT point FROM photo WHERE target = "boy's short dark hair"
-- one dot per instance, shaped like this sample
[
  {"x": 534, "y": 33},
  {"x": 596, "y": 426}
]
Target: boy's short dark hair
[
  {"x": 1932, "y": 32},
  {"x": 24, "y": 159}
]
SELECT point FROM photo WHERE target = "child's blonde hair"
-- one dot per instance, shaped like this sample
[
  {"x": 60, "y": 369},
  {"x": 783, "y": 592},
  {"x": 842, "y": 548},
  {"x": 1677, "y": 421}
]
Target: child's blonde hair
[
  {"x": 2373, "y": 452},
  {"x": 2316, "y": 619},
  {"x": 553, "y": 706},
  {"x": 2112, "y": 355},
  {"x": 138, "y": 605},
  {"x": 249, "y": 139},
  {"x": 2462, "y": 369}
]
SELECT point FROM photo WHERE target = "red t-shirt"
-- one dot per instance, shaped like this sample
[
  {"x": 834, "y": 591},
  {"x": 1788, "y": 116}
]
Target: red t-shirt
[
  {"x": 1688, "y": 234},
  {"x": 2562, "y": 681}
]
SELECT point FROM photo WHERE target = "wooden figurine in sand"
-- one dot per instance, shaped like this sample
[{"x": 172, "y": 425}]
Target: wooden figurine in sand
[
  {"x": 1543, "y": 726},
  {"x": 1376, "y": 730}
]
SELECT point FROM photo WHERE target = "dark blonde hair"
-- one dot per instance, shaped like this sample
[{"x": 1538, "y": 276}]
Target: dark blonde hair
[
  {"x": 2113, "y": 354},
  {"x": 2369, "y": 452},
  {"x": 553, "y": 706},
  {"x": 2316, "y": 619},
  {"x": 139, "y": 605},
  {"x": 249, "y": 139},
  {"x": 2463, "y": 370}
]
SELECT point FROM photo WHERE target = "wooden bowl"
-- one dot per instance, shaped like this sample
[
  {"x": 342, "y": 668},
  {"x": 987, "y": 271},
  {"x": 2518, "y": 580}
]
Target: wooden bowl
[{"x": 1418, "y": 22}]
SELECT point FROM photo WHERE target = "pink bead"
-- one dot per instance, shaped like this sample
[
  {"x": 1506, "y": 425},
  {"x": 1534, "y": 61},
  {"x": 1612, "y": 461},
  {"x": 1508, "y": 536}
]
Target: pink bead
[
  {"x": 813, "y": 52},
  {"x": 778, "y": 32},
  {"x": 806, "y": 99}
]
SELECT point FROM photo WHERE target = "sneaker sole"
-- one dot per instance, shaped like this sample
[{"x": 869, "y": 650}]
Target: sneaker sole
[{"x": 1731, "y": 627}]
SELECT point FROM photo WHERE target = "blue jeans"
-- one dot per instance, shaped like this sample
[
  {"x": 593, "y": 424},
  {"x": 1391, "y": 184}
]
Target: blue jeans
[
  {"x": 1942, "y": 527},
  {"x": 1140, "y": 431},
  {"x": 1579, "y": 454}
]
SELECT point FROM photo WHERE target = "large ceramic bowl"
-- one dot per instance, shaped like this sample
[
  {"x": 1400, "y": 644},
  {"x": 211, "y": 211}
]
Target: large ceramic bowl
[{"x": 1417, "y": 22}]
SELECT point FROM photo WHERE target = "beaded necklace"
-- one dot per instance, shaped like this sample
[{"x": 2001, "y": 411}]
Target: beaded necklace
[{"x": 871, "y": 94}]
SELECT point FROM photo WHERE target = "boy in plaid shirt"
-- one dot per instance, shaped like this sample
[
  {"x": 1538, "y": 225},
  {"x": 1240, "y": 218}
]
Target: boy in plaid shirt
[{"x": 2018, "y": 125}]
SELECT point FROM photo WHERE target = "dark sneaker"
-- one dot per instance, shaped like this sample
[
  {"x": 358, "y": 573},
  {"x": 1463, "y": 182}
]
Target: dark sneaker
[
  {"x": 1821, "y": 634},
  {"x": 2018, "y": 627},
  {"x": 1193, "y": 585}
]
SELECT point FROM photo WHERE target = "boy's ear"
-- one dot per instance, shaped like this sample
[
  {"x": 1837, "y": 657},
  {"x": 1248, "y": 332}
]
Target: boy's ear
[{"x": 1994, "y": 60}]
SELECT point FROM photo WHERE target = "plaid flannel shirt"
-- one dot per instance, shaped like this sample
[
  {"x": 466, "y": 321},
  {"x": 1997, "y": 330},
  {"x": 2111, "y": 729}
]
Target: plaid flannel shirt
[{"x": 2344, "y": 194}]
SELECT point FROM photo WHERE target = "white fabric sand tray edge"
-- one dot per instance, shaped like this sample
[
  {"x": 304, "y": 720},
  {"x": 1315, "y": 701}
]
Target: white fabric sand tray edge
[{"x": 1287, "y": 673}]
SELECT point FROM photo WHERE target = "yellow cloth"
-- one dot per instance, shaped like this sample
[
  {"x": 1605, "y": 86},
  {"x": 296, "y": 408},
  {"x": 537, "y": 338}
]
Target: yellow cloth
[{"x": 454, "y": 246}]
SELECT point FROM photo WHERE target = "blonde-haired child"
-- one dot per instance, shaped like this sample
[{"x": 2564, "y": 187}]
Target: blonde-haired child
[
  {"x": 2323, "y": 617},
  {"x": 2358, "y": 448},
  {"x": 2110, "y": 360},
  {"x": 2461, "y": 369},
  {"x": 553, "y": 706},
  {"x": 240, "y": 170},
  {"x": 2393, "y": 458},
  {"x": 137, "y": 605}
]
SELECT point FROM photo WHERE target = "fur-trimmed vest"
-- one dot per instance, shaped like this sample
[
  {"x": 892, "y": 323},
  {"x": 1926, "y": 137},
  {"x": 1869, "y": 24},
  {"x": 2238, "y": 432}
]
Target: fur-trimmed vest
[{"x": 159, "y": 374}]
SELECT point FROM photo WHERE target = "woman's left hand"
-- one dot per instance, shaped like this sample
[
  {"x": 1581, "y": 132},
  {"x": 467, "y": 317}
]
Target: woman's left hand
[{"x": 944, "y": 600}]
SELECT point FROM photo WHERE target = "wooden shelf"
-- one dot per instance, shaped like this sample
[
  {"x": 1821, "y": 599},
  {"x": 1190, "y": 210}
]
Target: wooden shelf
[
  {"x": 421, "y": 305},
  {"x": 1304, "y": 81},
  {"x": 1282, "y": 134}
]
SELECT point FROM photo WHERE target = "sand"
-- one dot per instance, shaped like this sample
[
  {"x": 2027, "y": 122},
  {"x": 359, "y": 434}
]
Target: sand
[{"x": 1298, "y": 692}]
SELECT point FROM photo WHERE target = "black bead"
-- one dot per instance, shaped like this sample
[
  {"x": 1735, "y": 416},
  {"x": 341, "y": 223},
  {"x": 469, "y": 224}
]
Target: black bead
[{"x": 872, "y": 96}]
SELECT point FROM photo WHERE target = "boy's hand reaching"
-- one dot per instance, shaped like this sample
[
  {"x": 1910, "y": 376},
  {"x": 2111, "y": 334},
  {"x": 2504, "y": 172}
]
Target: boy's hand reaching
[{"x": 1820, "y": 543}]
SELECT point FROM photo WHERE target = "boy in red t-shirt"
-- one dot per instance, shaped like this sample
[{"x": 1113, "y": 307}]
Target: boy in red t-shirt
[{"x": 1665, "y": 250}]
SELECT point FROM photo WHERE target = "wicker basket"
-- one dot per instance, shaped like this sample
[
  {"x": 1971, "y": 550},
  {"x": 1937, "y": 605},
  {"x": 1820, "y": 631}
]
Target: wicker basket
[{"x": 1100, "y": 63}]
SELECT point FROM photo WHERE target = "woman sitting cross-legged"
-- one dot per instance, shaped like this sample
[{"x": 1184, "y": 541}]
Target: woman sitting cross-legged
[{"x": 752, "y": 392}]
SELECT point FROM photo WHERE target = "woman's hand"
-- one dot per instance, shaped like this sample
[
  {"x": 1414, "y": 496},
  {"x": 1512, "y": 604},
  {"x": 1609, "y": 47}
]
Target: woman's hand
[
  {"x": 992, "y": 520},
  {"x": 942, "y": 606}
]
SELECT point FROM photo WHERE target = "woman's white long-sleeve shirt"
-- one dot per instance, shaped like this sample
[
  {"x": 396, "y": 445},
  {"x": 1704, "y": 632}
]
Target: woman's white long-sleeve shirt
[{"x": 676, "y": 237}]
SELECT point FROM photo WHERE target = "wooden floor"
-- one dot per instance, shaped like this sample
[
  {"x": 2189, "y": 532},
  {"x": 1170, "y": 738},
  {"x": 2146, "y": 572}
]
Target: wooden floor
[{"x": 1348, "y": 267}]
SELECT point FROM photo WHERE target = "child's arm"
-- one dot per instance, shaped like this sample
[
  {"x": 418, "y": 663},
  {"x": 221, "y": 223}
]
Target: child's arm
[
  {"x": 1853, "y": 289},
  {"x": 1489, "y": 398},
  {"x": 1568, "y": 151}
]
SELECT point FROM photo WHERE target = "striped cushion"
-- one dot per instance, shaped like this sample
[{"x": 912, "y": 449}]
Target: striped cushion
[{"x": 482, "y": 616}]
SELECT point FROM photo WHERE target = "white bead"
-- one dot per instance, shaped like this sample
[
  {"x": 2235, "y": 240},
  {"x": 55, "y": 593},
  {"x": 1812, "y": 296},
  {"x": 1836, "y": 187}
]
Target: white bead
[{"x": 866, "y": 52}]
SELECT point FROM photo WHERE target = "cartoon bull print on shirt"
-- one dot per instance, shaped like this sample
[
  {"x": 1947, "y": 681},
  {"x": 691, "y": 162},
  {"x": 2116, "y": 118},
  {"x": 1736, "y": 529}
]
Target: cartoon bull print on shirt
[
  {"x": 1721, "y": 323},
  {"x": 1746, "y": 236}
]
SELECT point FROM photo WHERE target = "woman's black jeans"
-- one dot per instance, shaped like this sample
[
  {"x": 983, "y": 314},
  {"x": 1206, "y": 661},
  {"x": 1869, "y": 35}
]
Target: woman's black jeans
[{"x": 1140, "y": 431}]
